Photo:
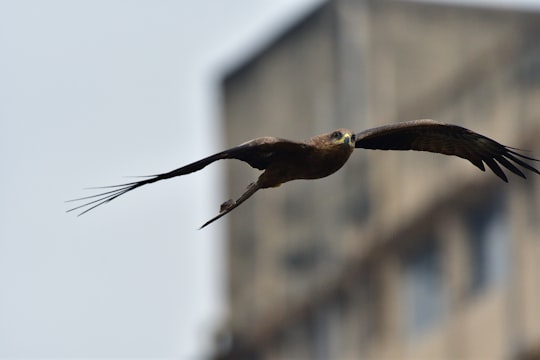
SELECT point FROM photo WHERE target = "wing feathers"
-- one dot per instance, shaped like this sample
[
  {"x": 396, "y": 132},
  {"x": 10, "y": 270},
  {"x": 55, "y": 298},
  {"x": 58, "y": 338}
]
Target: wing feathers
[
  {"x": 496, "y": 168},
  {"x": 432, "y": 136},
  {"x": 258, "y": 153}
]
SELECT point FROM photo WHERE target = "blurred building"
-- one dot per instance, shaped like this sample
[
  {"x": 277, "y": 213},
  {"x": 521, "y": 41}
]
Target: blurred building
[{"x": 399, "y": 255}]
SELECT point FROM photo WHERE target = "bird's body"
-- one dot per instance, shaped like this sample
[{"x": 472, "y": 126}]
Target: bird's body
[
  {"x": 314, "y": 158},
  {"x": 286, "y": 160}
]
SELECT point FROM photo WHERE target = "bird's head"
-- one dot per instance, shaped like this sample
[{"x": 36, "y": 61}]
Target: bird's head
[{"x": 342, "y": 137}]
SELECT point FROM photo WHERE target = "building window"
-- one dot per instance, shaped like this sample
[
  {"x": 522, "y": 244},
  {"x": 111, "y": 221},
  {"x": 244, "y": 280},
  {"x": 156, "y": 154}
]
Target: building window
[
  {"x": 302, "y": 259},
  {"x": 488, "y": 245},
  {"x": 423, "y": 285},
  {"x": 528, "y": 70},
  {"x": 367, "y": 297},
  {"x": 321, "y": 332},
  {"x": 357, "y": 197}
]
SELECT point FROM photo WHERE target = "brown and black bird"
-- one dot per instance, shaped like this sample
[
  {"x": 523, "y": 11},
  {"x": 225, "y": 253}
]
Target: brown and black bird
[{"x": 285, "y": 160}]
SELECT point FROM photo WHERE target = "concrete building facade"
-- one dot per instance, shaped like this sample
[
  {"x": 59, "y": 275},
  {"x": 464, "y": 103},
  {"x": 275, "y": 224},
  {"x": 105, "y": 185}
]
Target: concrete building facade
[{"x": 399, "y": 255}]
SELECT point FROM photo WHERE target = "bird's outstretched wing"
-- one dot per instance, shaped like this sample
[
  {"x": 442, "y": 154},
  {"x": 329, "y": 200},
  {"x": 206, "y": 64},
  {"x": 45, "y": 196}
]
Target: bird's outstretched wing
[
  {"x": 258, "y": 153},
  {"x": 436, "y": 137}
]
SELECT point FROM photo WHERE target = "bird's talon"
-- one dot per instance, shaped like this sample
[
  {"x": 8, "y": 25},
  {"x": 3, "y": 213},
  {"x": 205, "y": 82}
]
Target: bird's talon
[{"x": 226, "y": 205}]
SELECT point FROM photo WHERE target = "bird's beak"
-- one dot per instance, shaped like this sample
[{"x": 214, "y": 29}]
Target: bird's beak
[{"x": 347, "y": 139}]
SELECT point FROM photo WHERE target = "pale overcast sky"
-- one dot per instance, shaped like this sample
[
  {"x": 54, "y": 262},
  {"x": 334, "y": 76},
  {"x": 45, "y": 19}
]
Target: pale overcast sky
[{"x": 91, "y": 91}]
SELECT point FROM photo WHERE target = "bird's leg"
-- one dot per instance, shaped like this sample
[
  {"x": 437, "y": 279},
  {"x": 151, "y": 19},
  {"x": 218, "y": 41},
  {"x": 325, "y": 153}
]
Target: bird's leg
[
  {"x": 226, "y": 205},
  {"x": 230, "y": 204}
]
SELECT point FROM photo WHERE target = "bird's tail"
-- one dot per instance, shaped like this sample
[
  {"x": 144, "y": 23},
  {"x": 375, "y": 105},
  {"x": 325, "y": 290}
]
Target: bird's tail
[{"x": 230, "y": 205}]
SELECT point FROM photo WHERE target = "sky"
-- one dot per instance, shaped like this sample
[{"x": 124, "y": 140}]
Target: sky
[{"x": 92, "y": 92}]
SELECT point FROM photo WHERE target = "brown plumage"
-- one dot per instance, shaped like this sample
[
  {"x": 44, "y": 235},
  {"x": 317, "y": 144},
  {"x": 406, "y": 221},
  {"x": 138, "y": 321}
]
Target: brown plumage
[{"x": 285, "y": 160}]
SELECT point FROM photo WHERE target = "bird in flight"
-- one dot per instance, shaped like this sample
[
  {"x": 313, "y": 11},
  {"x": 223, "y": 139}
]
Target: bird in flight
[{"x": 285, "y": 160}]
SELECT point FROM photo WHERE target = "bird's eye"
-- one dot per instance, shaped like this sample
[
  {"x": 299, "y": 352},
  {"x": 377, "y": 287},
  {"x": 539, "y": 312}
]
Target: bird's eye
[
  {"x": 336, "y": 135},
  {"x": 353, "y": 137}
]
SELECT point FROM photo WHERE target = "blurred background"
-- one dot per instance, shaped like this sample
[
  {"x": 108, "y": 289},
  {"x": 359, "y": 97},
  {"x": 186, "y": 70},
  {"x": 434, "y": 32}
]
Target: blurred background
[
  {"x": 92, "y": 92},
  {"x": 398, "y": 255}
]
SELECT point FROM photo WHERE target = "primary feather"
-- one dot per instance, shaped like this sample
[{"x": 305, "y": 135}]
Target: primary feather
[{"x": 436, "y": 137}]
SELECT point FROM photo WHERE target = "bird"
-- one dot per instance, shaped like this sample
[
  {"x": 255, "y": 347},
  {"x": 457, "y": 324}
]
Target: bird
[{"x": 322, "y": 155}]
